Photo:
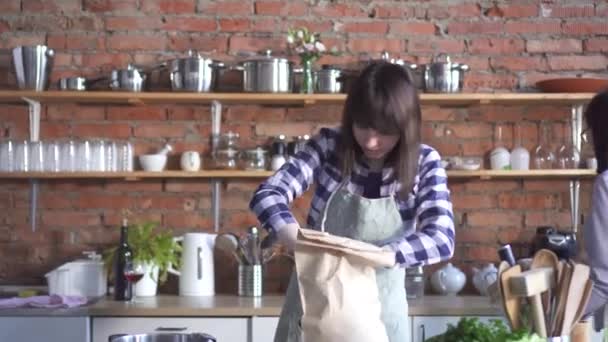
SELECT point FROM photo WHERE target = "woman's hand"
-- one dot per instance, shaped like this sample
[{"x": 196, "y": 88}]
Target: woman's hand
[{"x": 288, "y": 234}]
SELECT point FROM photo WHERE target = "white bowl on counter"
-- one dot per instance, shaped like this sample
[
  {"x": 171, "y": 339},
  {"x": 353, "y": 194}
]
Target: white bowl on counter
[{"x": 153, "y": 162}]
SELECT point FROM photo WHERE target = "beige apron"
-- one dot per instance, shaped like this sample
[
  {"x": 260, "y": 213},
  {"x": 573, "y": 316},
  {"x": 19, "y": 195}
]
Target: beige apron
[{"x": 369, "y": 220}]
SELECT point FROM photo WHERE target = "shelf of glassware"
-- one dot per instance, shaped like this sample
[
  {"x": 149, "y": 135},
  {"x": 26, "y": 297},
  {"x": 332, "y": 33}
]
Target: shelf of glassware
[
  {"x": 151, "y": 98},
  {"x": 242, "y": 174}
]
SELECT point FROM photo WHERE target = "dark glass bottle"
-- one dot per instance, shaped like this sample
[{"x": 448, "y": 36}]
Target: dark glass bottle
[{"x": 122, "y": 259}]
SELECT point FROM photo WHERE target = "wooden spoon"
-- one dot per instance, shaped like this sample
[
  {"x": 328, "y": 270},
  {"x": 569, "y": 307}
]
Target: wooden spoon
[
  {"x": 511, "y": 303},
  {"x": 576, "y": 291},
  {"x": 546, "y": 258}
]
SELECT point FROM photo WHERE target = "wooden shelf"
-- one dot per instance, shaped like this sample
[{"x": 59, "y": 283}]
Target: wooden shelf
[
  {"x": 221, "y": 174},
  {"x": 152, "y": 98}
]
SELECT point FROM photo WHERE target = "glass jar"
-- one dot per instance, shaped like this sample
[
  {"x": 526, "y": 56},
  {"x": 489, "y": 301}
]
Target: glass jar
[
  {"x": 226, "y": 159},
  {"x": 543, "y": 156},
  {"x": 228, "y": 140},
  {"x": 254, "y": 159},
  {"x": 414, "y": 282},
  {"x": 568, "y": 156}
]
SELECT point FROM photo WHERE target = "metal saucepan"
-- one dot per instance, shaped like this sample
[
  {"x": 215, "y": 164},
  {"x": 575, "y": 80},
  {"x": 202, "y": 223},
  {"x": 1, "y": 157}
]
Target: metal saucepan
[
  {"x": 444, "y": 77},
  {"x": 194, "y": 73},
  {"x": 77, "y": 83},
  {"x": 328, "y": 79},
  {"x": 267, "y": 74},
  {"x": 132, "y": 78}
]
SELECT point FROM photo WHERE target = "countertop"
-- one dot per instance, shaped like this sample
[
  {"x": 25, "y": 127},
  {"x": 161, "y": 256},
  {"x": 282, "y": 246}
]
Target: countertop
[{"x": 234, "y": 306}]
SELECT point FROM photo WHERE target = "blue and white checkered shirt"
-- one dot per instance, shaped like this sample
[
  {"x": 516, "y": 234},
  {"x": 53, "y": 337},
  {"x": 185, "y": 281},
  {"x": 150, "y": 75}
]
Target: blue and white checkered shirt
[{"x": 428, "y": 206}]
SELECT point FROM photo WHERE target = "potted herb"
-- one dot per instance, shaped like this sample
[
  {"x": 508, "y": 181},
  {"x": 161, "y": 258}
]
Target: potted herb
[{"x": 156, "y": 251}]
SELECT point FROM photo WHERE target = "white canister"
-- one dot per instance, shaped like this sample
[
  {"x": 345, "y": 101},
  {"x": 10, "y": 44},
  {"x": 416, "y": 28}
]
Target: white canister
[
  {"x": 500, "y": 159},
  {"x": 190, "y": 161},
  {"x": 520, "y": 158}
]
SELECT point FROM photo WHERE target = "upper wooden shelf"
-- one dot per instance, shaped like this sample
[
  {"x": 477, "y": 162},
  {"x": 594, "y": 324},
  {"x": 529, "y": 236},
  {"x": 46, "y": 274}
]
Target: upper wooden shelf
[
  {"x": 221, "y": 174},
  {"x": 150, "y": 98}
]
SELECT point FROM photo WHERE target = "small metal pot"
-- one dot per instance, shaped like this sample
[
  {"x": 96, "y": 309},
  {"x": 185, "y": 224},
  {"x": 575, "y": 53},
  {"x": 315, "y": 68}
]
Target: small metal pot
[
  {"x": 444, "y": 77},
  {"x": 129, "y": 79},
  {"x": 267, "y": 74},
  {"x": 77, "y": 83},
  {"x": 328, "y": 80},
  {"x": 194, "y": 73}
]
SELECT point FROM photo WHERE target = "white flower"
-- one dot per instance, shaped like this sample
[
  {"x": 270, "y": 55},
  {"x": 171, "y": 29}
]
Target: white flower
[
  {"x": 320, "y": 46},
  {"x": 290, "y": 39},
  {"x": 300, "y": 34}
]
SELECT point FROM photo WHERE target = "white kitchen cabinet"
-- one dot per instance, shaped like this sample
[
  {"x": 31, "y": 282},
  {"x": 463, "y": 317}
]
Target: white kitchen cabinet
[
  {"x": 262, "y": 328},
  {"x": 224, "y": 329},
  {"x": 424, "y": 327},
  {"x": 48, "y": 329}
]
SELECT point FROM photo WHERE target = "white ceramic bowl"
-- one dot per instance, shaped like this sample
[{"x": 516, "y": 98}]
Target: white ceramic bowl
[{"x": 153, "y": 162}]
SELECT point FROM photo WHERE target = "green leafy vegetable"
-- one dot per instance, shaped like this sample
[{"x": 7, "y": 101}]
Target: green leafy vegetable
[{"x": 470, "y": 329}]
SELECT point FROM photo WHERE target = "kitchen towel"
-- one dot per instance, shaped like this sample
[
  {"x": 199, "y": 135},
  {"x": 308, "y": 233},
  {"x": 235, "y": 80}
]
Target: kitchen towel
[
  {"x": 48, "y": 302},
  {"x": 338, "y": 289}
]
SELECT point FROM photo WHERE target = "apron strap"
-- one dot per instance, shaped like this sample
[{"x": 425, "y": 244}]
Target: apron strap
[{"x": 331, "y": 196}]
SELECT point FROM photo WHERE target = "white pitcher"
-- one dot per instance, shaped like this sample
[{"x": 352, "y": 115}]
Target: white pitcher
[{"x": 197, "y": 276}]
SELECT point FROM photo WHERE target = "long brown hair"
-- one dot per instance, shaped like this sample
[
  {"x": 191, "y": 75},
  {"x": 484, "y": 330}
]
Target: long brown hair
[
  {"x": 596, "y": 116},
  {"x": 385, "y": 99}
]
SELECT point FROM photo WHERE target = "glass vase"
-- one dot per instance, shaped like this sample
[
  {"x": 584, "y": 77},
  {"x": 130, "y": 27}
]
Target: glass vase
[{"x": 308, "y": 83}]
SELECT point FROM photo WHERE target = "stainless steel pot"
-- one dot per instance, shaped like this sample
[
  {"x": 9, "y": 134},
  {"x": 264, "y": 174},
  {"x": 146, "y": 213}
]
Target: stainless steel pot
[
  {"x": 444, "y": 77},
  {"x": 129, "y": 79},
  {"x": 194, "y": 73},
  {"x": 33, "y": 66},
  {"x": 328, "y": 80},
  {"x": 267, "y": 74},
  {"x": 163, "y": 337},
  {"x": 77, "y": 83}
]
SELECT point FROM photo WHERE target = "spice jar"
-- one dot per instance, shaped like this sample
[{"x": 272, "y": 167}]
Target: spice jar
[
  {"x": 226, "y": 159},
  {"x": 414, "y": 282},
  {"x": 254, "y": 159}
]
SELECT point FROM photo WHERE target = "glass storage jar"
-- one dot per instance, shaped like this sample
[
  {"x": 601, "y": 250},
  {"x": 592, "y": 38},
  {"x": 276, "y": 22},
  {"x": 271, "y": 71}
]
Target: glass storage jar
[
  {"x": 228, "y": 140},
  {"x": 226, "y": 159},
  {"x": 414, "y": 282},
  {"x": 254, "y": 159}
]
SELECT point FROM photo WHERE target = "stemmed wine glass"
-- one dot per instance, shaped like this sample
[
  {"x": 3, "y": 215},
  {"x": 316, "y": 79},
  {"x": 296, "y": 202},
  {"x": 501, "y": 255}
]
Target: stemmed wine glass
[{"x": 133, "y": 273}]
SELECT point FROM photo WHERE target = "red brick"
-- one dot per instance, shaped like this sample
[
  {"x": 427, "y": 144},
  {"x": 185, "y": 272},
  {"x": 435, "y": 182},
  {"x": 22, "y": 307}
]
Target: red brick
[
  {"x": 266, "y": 24},
  {"x": 103, "y": 201},
  {"x": 280, "y": 8},
  {"x": 315, "y": 114},
  {"x": 238, "y": 44},
  {"x": 601, "y": 10},
  {"x": 111, "y": 130},
  {"x": 557, "y": 46},
  {"x": 338, "y": 10},
  {"x": 190, "y": 24},
  {"x": 490, "y": 219},
  {"x": 438, "y": 113},
  {"x": 518, "y": 237},
  {"x": 432, "y": 45},
  {"x": 485, "y": 82},
  {"x": 187, "y": 220},
  {"x": 481, "y": 253},
  {"x": 85, "y": 23},
  {"x": 62, "y": 218},
  {"x": 586, "y": 27},
  {"x": 365, "y": 27},
  {"x": 187, "y": 186},
  {"x": 234, "y": 24},
  {"x": 168, "y": 6},
  {"x": 596, "y": 45},
  {"x": 4, "y": 27},
  {"x": 375, "y": 45},
  {"x": 577, "y": 62},
  {"x": 167, "y": 202},
  {"x": 23, "y": 39},
  {"x": 109, "y": 5},
  {"x": 528, "y": 201},
  {"x": 48, "y": 23},
  {"x": 113, "y": 219},
  {"x": 61, "y": 60},
  {"x": 446, "y": 148},
  {"x": 470, "y": 201},
  {"x": 560, "y": 220},
  {"x": 232, "y": 219},
  {"x": 84, "y": 42},
  {"x": 394, "y": 11},
  {"x": 274, "y": 129},
  {"x": 96, "y": 60},
  {"x": 54, "y": 130},
  {"x": 50, "y": 6},
  {"x": 10, "y": 7},
  {"x": 495, "y": 46},
  {"x": 116, "y": 113},
  {"x": 455, "y": 11},
  {"x": 474, "y": 148},
  {"x": 236, "y": 201},
  {"x": 199, "y": 114},
  {"x": 254, "y": 113},
  {"x": 512, "y": 11},
  {"x": 471, "y": 130},
  {"x": 161, "y": 130},
  {"x": 518, "y": 63},
  {"x": 412, "y": 28},
  {"x": 244, "y": 8},
  {"x": 491, "y": 187},
  {"x": 129, "y": 42},
  {"x": 568, "y": 11},
  {"x": 479, "y": 27},
  {"x": 148, "y": 22},
  {"x": 317, "y": 25},
  {"x": 537, "y": 26}
]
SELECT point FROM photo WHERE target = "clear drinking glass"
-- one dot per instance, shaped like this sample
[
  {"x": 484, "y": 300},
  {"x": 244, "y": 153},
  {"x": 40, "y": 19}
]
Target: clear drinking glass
[
  {"x": 520, "y": 157},
  {"x": 543, "y": 156},
  {"x": 98, "y": 155},
  {"x": 568, "y": 156},
  {"x": 22, "y": 159},
  {"x": 51, "y": 156},
  {"x": 84, "y": 160},
  {"x": 67, "y": 155},
  {"x": 111, "y": 161},
  {"x": 7, "y": 156},
  {"x": 36, "y": 156}
]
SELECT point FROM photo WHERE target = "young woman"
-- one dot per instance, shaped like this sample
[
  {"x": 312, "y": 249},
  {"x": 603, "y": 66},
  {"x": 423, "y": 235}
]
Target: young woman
[
  {"x": 596, "y": 227},
  {"x": 374, "y": 182}
]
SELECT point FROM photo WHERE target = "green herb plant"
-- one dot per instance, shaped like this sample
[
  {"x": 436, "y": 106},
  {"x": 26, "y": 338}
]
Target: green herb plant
[
  {"x": 150, "y": 245},
  {"x": 472, "y": 330}
]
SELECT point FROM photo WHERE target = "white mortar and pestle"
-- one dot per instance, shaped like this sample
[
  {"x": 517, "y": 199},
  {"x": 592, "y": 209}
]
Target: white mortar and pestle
[{"x": 155, "y": 162}]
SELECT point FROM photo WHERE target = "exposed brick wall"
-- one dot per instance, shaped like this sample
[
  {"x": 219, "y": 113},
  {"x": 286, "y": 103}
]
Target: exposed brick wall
[{"x": 509, "y": 46}]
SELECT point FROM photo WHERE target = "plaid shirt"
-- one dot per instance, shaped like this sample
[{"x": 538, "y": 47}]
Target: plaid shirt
[{"x": 428, "y": 206}]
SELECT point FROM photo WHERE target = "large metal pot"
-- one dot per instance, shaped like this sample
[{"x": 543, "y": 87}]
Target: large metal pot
[
  {"x": 267, "y": 74},
  {"x": 130, "y": 79},
  {"x": 194, "y": 73},
  {"x": 163, "y": 337},
  {"x": 328, "y": 80},
  {"x": 444, "y": 77},
  {"x": 33, "y": 66}
]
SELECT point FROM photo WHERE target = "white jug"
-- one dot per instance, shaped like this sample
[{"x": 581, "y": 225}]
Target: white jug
[
  {"x": 448, "y": 280},
  {"x": 197, "y": 276}
]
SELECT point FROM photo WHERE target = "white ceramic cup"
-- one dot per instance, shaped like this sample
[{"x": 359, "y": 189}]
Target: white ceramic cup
[{"x": 190, "y": 161}]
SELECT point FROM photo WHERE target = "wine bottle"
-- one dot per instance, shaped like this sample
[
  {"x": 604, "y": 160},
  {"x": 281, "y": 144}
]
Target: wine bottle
[{"x": 122, "y": 259}]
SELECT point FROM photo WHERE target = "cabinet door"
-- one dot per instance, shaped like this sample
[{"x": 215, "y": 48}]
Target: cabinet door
[
  {"x": 224, "y": 329},
  {"x": 424, "y": 327},
  {"x": 262, "y": 328},
  {"x": 51, "y": 329}
]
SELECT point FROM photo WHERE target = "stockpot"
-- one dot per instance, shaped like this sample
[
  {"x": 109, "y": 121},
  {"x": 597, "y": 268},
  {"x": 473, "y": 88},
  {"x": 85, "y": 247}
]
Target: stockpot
[
  {"x": 194, "y": 73},
  {"x": 130, "y": 79},
  {"x": 328, "y": 79},
  {"x": 267, "y": 74},
  {"x": 444, "y": 77}
]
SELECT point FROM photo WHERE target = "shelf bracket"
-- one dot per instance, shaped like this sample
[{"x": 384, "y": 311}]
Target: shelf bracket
[
  {"x": 216, "y": 184},
  {"x": 34, "y": 123},
  {"x": 576, "y": 126}
]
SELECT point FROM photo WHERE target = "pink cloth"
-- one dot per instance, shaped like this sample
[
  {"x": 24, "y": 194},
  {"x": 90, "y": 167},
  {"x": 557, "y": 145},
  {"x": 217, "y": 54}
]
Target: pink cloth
[{"x": 49, "y": 302}]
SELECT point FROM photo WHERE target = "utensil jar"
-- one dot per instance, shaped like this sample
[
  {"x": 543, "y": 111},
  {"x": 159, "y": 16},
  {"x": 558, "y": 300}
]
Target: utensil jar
[{"x": 251, "y": 280}]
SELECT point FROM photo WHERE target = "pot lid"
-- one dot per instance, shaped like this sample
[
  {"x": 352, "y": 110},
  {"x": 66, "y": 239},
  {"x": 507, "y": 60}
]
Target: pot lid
[{"x": 266, "y": 56}]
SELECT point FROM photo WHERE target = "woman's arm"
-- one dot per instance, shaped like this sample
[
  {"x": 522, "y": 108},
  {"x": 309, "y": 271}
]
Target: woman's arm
[
  {"x": 271, "y": 200},
  {"x": 433, "y": 241},
  {"x": 595, "y": 234}
]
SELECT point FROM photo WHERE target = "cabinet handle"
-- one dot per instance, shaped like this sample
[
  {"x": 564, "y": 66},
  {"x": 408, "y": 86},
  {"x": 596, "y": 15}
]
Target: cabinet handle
[
  {"x": 170, "y": 329},
  {"x": 422, "y": 333}
]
